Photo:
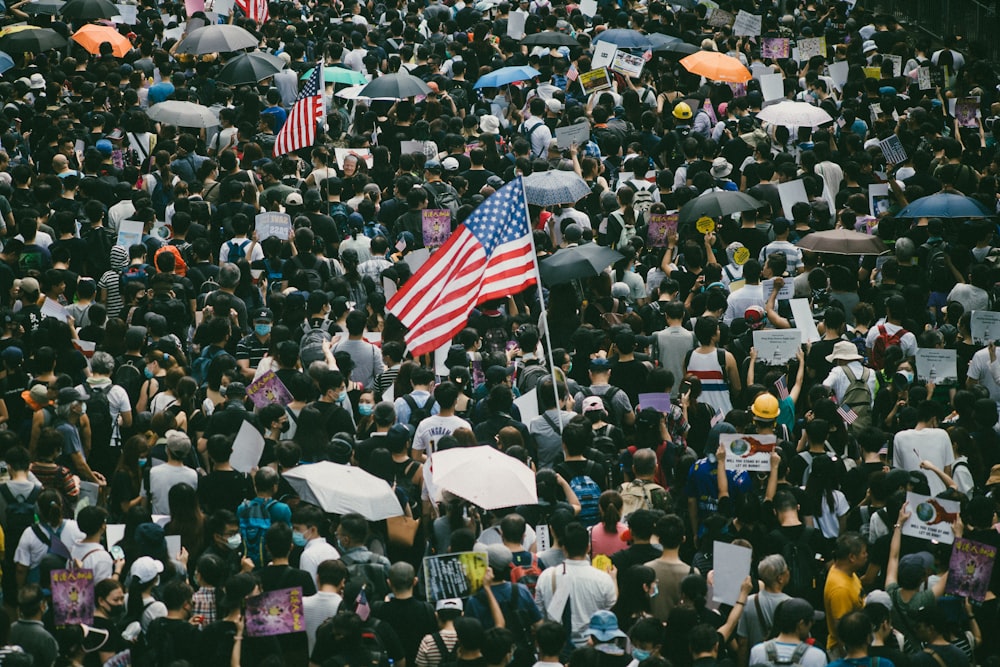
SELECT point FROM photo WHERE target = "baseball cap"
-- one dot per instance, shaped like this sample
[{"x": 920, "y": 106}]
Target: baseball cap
[
  {"x": 454, "y": 604},
  {"x": 755, "y": 317},
  {"x": 792, "y": 611},
  {"x": 432, "y": 165},
  {"x": 68, "y": 395},
  {"x": 554, "y": 105},
  {"x": 600, "y": 364},
  {"x": 500, "y": 557},
  {"x": 497, "y": 374},
  {"x": 145, "y": 569},
  {"x": 592, "y": 403},
  {"x": 12, "y": 356},
  {"x": 263, "y": 315},
  {"x": 879, "y": 597},
  {"x": 178, "y": 443},
  {"x": 913, "y": 568},
  {"x": 293, "y": 199},
  {"x": 104, "y": 146},
  {"x": 450, "y": 164},
  {"x": 29, "y": 285}
]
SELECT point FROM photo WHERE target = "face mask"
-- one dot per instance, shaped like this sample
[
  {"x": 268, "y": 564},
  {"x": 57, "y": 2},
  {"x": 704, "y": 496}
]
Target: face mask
[
  {"x": 148, "y": 373},
  {"x": 342, "y": 398},
  {"x": 262, "y": 329},
  {"x": 285, "y": 426},
  {"x": 366, "y": 409},
  {"x": 142, "y": 462},
  {"x": 115, "y": 609},
  {"x": 654, "y": 591},
  {"x": 908, "y": 375},
  {"x": 570, "y": 369},
  {"x": 234, "y": 542},
  {"x": 640, "y": 655},
  {"x": 298, "y": 539}
]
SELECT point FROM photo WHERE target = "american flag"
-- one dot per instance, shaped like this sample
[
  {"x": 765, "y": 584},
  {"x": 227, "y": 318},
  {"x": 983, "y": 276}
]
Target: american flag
[
  {"x": 847, "y": 414},
  {"x": 489, "y": 256},
  {"x": 299, "y": 130},
  {"x": 362, "y": 609},
  {"x": 254, "y": 9},
  {"x": 781, "y": 384}
]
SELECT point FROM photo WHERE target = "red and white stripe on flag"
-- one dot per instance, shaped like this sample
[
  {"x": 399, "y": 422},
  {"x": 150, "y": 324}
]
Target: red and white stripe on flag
[
  {"x": 847, "y": 414},
  {"x": 254, "y": 9},
  {"x": 299, "y": 130}
]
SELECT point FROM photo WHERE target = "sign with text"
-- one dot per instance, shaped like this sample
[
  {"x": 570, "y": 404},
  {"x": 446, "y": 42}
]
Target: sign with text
[
  {"x": 747, "y": 24},
  {"x": 970, "y": 569},
  {"x": 892, "y": 149},
  {"x": 273, "y": 223},
  {"x": 931, "y": 518},
  {"x": 627, "y": 64},
  {"x": 73, "y": 597},
  {"x": 595, "y": 80},
  {"x": 275, "y": 613},
  {"x": 129, "y": 233},
  {"x": 604, "y": 53},
  {"x": 660, "y": 227},
  {"x": 268, "y": 389},
  {"x": 937, "y": 366},
  {"x": 721, "y": 19},
  {"x": 924, "y": 78},
  {"x": 659, "y": 401},
  {"x": 786, "y": 292},
  {"x": 985, "y": 325},
  {"x": 748, "y": 452},
  {"x": 812, "y": 46},
  {"x": 967, "y": 111},
  {"x": 776, "y": 347},
  {"x": 577, "y": 133},
  {"x": 454, "y": 575},
  {"x": 436, "y": 223},
  {"x": 360, "y": 153},
  {"x": 775, "y": 47}
]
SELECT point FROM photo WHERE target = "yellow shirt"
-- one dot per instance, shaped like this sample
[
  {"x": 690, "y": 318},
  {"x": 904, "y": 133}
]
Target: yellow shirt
[{"x": 841, "y": 596}]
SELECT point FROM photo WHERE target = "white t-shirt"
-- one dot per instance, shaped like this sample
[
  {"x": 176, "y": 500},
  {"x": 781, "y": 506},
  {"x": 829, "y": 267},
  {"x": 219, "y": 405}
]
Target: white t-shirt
[
  {"x": 251, "y": 250},
  {"x": 118, "y": 402},
  {"x": 31, "y": 550},
  {"x": 908, "y": 342},
  {"x": 433, "y": 429},
  {"x": 316, "y": 609},
  {"x": 838, "y": 381},
  {"x": 912, "y": 446},
  {"x": 828, "y": 516},
  {"x": 94, "y": 557},
  {"x": 985, "y": 373}
]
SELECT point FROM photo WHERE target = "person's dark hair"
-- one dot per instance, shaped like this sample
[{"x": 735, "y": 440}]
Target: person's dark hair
[
  {"x": 855, "y": 630},
  {"x": 497, "y": 644},
  {"x": 670, "y": 530},
  {"x": 704, "y": 638},
  {"x": 849, "y": 544},
  {"x": 550, "y": 637},
  {"x": 576, "y": 540}
]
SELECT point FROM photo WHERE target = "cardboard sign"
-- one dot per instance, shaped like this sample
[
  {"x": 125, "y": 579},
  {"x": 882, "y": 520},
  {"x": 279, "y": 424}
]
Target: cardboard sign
[
  {"x": 273, "y": 223},
  {"x": 878, "y": 199},
  {"x": 731, "y": 567},
  {"x": 775, "y": 47},
  {"x": 129, "y": 233},
  {"x": 804, "y": 322},
  {"x": 931, "y": 518},
  {"x": 515, "y": 24},
  {"x": 812, "y": 46},
  {"x": 268, "y": 389},
  {"x": 985, "y": 326},
  {"x": 454, "y": 575},
  {"x": 628, "y": 65},
  {"x": 595, "y": 80},
  {"x": 721, "y": 19},
  {"x": 791, "y": 193},
  {"x": 970, "y": 569},
  {"x": 772, "y": 87},
  {"x": 527, "y": 404},
  {"x": 275, "y": 613},
  {"x": 937, "y": 366},
  {"x": 748, "y": 452},
  {"x": 604, "y": 53},
  {"x": 361, "y": 153},
  {"x": 247, "y": 448},
  {"x": 747, "y": 24},
  {"x": 577, "y": 133},
  {"x": 661, "y": 226},
  {"x": 892, "y": 149},
  {"x": 73, "y": 597},
  {"x": 776, "y": 347},
  {"x": 436, "y": 224},
  {"x": 659, "y": 401},
  {"x": 786, "y": 292}
]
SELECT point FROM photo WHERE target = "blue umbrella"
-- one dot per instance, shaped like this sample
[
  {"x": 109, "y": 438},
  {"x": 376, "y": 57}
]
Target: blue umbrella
[
  {"x": 945, "y": 205},
  {"x": 505, "y": 75},
  {"x": 6, "y": 62},
  {"x": 624, "y": 38}
]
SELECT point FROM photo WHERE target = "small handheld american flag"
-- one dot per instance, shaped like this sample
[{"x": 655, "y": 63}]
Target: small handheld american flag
[
  {"x": 781, "y": 384},
  {"x": 847, "y": 414}
]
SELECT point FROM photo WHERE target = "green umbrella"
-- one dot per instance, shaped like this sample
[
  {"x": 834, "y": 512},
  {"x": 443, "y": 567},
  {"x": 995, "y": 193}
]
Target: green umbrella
[{"x": 334, "y": 74}]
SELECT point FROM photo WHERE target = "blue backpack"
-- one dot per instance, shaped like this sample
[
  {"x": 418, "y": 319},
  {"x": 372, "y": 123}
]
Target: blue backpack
[
  {"x": 255, "y": 519},
  {"x": 587, "y": 491}
]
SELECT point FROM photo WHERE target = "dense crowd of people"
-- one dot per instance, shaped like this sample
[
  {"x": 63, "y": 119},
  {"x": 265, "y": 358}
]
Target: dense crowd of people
[{"x": 131, "y": 362}]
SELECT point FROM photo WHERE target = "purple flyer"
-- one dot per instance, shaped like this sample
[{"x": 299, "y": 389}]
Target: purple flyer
[
  {"x": 275, "y": 613},
  {"x": 970, "y": 569},
  {"x": 437, "y": 226},
  {"x": 661, "y": 225},
  {"x": 73, "y": 597},
  {"x": 775, "y": 47},
  {"x": 268, "y": 389}
]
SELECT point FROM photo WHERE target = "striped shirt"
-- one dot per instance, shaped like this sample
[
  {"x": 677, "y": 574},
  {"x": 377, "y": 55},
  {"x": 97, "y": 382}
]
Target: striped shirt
[
  {"x": 714, "y": 388},
  {"x": 428, "y": 653}
]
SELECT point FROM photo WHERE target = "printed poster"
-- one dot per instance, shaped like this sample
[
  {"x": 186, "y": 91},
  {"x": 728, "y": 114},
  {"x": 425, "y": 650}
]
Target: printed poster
[
  {"x": 454, "y": 575},
  {"x": 775, "y": 47},
  {"x": 967, "y": 111},
  {"x": 924, "y": 78},
  {"x": 577, "y": 133},
  {"x": 748, "y": 452},
  {"x": 931, "y": 518},
  {"x": 878, "y": 199},
  {"x": 604, "y": 53},
  {"x": 776, "y": 347},
  {"x": 985, "y": 326},
  {"x": 747, "y": 24},
  {"x": 873, "y": 73},
  {"x": 660, "y": 226},
  {"x": 721, "y": 19},
  {"x": 897, "y": 63},
  {"x": 970, "y": 569},
  {"x": 436, "y": 226},
  {"x": 595, "y": 80},
  {"x": 627, "y": 64},
  {"x": 786, "y": 292},
  {"x": 73, "y": 597},
  {"x": 268, "y": 389},
  {"x": 812, "y": 46},
  {"x": 362, "y": 153},
  {"x": 728, "y": 580},
  {"x": 892, "y": 149},
  {"x": 129, "y": 233},
  {"x": 937, "y": 366},
  {"x": 273, "y": 223},
  {"x": 275, "y": 613}
]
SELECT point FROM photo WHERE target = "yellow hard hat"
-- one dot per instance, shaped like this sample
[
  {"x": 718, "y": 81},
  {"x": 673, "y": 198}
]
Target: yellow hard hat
[
  {"x": 765, "y": 406},
  {"x": 682, "y": 111}
]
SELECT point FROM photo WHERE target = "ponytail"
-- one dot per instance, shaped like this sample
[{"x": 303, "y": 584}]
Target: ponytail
[{"x": 610, "y": 506}]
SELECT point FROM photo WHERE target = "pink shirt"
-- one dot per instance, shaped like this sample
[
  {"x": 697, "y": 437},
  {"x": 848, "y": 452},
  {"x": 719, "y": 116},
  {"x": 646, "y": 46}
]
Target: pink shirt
[{"x": 603, "y": 542}]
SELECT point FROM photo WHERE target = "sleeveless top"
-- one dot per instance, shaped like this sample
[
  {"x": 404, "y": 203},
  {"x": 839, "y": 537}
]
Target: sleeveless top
[{"x": 714, "y": 387}]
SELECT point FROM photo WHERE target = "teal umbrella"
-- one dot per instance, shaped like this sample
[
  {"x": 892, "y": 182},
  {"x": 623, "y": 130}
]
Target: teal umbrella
[{"x": 334, "y": 74}]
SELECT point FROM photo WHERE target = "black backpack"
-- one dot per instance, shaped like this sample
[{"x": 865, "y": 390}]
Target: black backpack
[
  {"x": 448, "y": 657},
  {"x": 807, "y": 575},
  {"x": 20, "y": 514},
  {"x": 99, "y": 414},
  {"x": 129, "y": 378},
  {"x": 607, "y": 398},
  {"x": 378, "y": 655},
  {"x": 370, "y": 574},
  {"x": 419, "y": 413},
  {"x": 99, "y": 242}
]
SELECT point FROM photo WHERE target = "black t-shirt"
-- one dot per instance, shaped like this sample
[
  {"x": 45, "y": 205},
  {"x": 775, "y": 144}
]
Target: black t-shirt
[
  {"x": 630, "y": 377},
  {"x": 335, "y": 418},
  {"x": 224, "y": 490},
  {"x": 412, "y": 619},
  {"x": 327, "y": 646},
  {"x": 277, "y": 577}
]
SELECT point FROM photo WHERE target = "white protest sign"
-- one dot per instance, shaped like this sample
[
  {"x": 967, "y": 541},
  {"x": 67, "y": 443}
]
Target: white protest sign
[
  {"x": 129, "y": 14},
  {"x": 838, "y": 72},
  {"x": 417, "y": 258},
  {"x": 360, "y": 153},
  {"x": 786, "y": 292},
  {"x": 627, "y": 64},
  {"x": 515, "y": 24},
  {"x": 588, "y": 8},
  {"x": 528, "y": 405},
  {"x": 115, "y": 533},
  {"x": 732, "y": 566},
  {"x": 791, "y": 193},
  {"x": 273, "y": 223},
  {"x": 410, "y": 146},
  {"x": 776, "y": 347},
  {"x": 129, "y": 233},
  {"x": 897, "y": 63},
  {"x": 604, "y": 53},
  {"x": 161, "y": 519},
  {"x": 937, "y": 366},
  {"x": 985, "y": 326},
  {"x": 747, "y": 24},
  {"x": 441, "y": 360},
  {"x": 802, "y": 314},
  {"x": 52, "y": 308},
  {"x": 577, "y": 133},
  {"x": 772, "y": 87},
  {"x": 878, "y": 199},
  {"x": 388, "y": 288},
  {"x": 173, "y": 545},
  {"x": 924, "y": 78},
  {"x": 931, "y": 518},
  {"x": 748, "y": 452},
  {"x": 247, "y": 448}
]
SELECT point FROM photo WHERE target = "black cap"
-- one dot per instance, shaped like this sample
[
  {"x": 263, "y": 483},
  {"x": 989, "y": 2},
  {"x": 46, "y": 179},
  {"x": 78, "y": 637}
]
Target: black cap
[{"x": 262, "y": 315}]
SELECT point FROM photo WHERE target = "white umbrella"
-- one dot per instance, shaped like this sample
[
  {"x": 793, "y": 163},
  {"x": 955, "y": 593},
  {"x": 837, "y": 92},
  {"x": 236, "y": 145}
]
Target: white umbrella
[
  {"x": 182, "y": 114},
  {"x": 485, "y": 477},
  {"x": 340, "y": 489},
  {"x": 351, "y": 93},
  {"x": 794, "y": 114},
  {"x": 555, "y": 186}
]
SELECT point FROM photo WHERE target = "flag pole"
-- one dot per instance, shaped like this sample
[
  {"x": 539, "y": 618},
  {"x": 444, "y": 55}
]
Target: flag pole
[{"x": 541, "y": 300}]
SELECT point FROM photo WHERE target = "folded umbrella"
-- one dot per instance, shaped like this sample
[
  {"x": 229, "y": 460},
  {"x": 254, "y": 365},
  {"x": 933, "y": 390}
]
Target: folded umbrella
[
  {"x": 484, "y": 476},
  {"x": 555, "y": 186},
  {"x": 717, "y": 205},
  {"x": 624, "y": 38},
  {"x": 334, "y": 74},
  {"x": 250, "y": 68},
  {"x": 88, "y": 10},
  {"x": 91, "y": 36},
  {"x": 549, "y": 38},
  {"x": 340, "y": 489},
  {"x": 395, "y": 87},
  {"x": 578, "y": 262},
  {"x": 716, "y": 66},
  {"x": 794, "y": 114},
  {"x": 945, "y": 205},
  {"x": 182, "y": 114},
  {"x": 221, "y": 38},
  {"x": 31, "y": 40},
  {"x": 842, "y": 242},
  {"x": 505, "y": 75}
]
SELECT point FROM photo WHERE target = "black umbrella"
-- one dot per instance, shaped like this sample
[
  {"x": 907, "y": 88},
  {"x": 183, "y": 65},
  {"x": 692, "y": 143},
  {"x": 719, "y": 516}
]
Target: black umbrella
[
  {"x": 43, "y": 7},
  {"x": 249, "y": 68},
  {"x": 217, "y": 39},
  {"x": 718, "y": 204},
  {"x": 395, "y": 87},
  {"x": 549, "y": 38},
  {"x": 581, "y": 261},
  {"x": 668, "y": 44},
  {"x": 88, "y": 10},
  {"x": 32, "y": 41}
]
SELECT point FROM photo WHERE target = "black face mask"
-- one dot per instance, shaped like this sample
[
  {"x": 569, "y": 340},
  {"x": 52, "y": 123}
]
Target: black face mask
[{"x": 285, "y": 426}]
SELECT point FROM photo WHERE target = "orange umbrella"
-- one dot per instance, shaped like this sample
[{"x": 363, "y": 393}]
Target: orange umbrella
[
  {"x": 716, "y": 67},
  {"x": 91, "y": 36}
]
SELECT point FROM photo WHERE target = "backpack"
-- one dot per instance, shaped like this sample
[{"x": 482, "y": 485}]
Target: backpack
[
  {"x": 311, "y": 345},
  {"x": 100, "y": 241},
  {"x": 771, "y": 651},
  {"x": 448, "y": 657},
  {"x": 883, "y": 341},
  {"x": 369, "y": 573},
  {"x": 804, "y": 573},
  {"x": 19, "y": 515},
  {"x": 609, "y": 318},
  {"x": 608, "y": 398},
  {"x": 642, "y": 200},
  {"x": 638, "y": 495},
  {"x": 378, "y": 655},
  {"x": 587, "y": 491},
  {"x": 858, "y": 397},
  {"x": 526, "y": 574},
  {"x": 255, "y": 519},
  {"x": 135, "y": 273},
  {"x": 938, "y": 273},
  {"x": 199, "y": 367},
  {"x": 526, "y": 132},
  {"x": 419, "y": 413},
  {"x": 313, "y": 281},
  {"x": 237, "y": 251},
  {"x": 162, "y": 196},
  {"x": 99, "y": 414},
  {"x": 129, "y": 378},
  {"x": 180, "y": 266},
  {"x": 56, "y": 556},
  {"x": 445, "y": 196},
  {"x": 339, "y": 213},
  {"x": 530, "y": 377}
]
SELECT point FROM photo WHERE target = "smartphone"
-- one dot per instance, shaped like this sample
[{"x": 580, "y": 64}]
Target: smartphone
[
  {"x": 685, "y": 387},
  {"x": 116, "y": 552}
]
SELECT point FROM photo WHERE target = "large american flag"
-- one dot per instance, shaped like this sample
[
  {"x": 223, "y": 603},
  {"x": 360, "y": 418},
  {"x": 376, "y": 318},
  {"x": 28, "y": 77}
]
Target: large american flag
[
  {"x": 489, "y": 256},
  {"x": 254, "y": 9},
  {"x": 299, "y": 130}
]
